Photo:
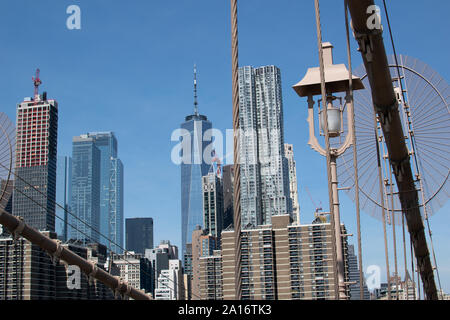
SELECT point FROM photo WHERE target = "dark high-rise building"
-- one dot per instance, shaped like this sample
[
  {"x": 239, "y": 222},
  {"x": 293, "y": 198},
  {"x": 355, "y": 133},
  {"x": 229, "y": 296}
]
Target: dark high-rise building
[
  {"x": 192, "y": 171},
  {"x": 353, "y": 275},
  {"x": 228, "y": 180},
  {"x": 139, "y": 234},
  {"x": 37, "y": 127},
  {"x": 212, "y": 204}
]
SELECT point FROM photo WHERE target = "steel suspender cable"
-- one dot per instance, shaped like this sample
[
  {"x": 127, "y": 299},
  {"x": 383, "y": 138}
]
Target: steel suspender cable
[
  {"x": 355, "y": 159},
  {"x": 394, "y": 238},
  {"x": 404, "y": 253},
  {"x": 380, "y": 178},
  {"x": 412, "y": 267},
  {"x": 327, "y": 143},
  {"x": 236, "y": 148}
]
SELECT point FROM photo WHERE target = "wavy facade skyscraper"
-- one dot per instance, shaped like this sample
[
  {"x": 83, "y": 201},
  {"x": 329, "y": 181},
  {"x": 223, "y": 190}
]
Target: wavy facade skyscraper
[{"x": 264, "y": 167}]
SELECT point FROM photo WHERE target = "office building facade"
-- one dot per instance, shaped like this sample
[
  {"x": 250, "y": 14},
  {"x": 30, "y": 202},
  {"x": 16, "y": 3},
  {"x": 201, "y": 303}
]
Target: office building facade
[
  {"x": 97, "y": 168},
  {"x": 111, "y": 190},
  {"x": 264, "y": 168},
  {"x": 135, "y": 269}
]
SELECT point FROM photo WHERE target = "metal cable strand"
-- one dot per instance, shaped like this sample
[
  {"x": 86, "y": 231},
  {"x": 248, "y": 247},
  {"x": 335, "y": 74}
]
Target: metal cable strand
[
  {"x": 404, "y": 250},
  {"x": 380, "y": 180},
  {"x": 412, "y": 267},
  {"x": 236, "y": 154},
  {"x": 327, "y": 146},
  {"x": 394, "y": 238},
  {"x": 355, "y": 158}
]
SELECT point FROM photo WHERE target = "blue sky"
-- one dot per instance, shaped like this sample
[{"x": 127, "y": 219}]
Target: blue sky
[{"x": 129, "y": 70}]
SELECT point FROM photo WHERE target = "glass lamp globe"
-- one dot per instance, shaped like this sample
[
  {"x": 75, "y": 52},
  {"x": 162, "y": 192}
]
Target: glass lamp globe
[{"x": 334, "y": 121}]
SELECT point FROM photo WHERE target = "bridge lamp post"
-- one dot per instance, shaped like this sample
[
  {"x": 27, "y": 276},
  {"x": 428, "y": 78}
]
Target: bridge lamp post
[{"x": 336, "y": 81}]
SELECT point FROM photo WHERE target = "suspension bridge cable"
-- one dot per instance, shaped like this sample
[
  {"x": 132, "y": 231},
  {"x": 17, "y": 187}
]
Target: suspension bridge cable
[
  {"x": 404, "y": 250},
  {"x": 394, "y": 236},
  {"x": 386, "y": 252},
  {"x": 327, "y": 149},
  {"x": 355, "y": 159}
]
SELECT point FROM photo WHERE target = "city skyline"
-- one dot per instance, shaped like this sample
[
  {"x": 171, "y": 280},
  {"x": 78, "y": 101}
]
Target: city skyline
[{"x": 170, "y": 212}]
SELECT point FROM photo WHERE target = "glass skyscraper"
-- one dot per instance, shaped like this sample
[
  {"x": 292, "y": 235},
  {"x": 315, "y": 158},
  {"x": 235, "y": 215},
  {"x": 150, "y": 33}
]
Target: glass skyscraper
[
  {"x": 263, "y": 165},
  {"x": 85, "y": 201},
  {"x": 63, "y": 195},
  {"x": 103, "y": 174},
  {"x": 111, "y": 189},
  {"x": 191, "y": 176}
]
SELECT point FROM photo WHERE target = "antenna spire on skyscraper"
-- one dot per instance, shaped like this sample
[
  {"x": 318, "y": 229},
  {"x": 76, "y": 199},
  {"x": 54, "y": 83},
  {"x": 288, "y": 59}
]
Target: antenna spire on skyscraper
[{"x": 195, "y": 91}]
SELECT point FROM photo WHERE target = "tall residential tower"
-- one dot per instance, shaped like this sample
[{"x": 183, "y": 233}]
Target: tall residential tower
[
  {"x": 37, "y": 127},
  {"x": 264, "y": 168}
]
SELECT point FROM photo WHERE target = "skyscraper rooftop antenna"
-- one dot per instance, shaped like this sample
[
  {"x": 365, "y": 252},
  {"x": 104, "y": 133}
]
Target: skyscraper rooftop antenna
[{"x": 195, "y": 91}]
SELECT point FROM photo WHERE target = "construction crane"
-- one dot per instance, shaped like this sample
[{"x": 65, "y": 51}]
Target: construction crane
[
  {"x": 216, "y": 160},
  {"x": 318, "y": 208},
  {"x": 37, "y": 82}
]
